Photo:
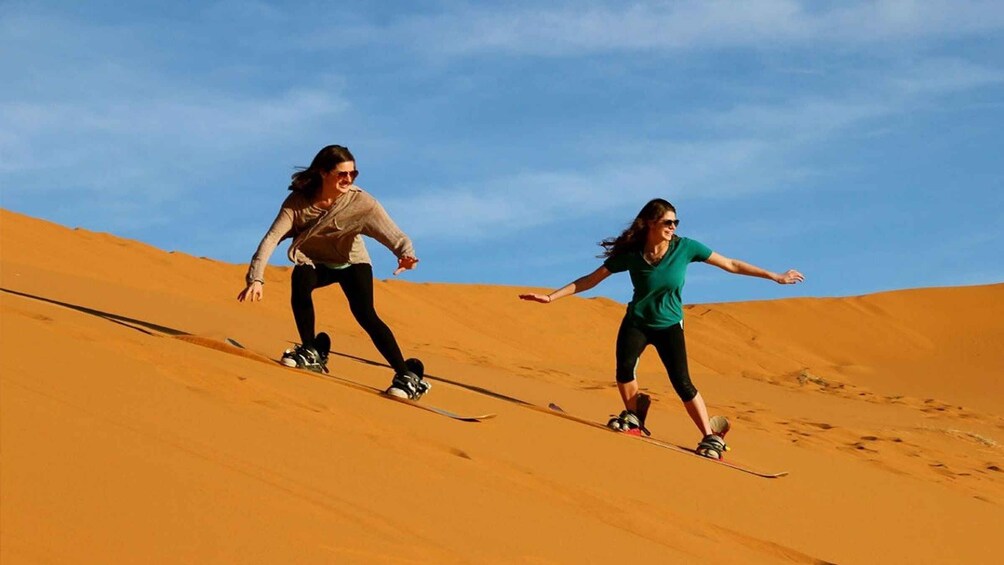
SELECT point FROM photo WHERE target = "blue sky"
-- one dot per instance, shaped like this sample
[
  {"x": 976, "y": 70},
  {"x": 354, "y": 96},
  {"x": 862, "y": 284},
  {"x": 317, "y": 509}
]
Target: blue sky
[{"x": 858, "y": 142}]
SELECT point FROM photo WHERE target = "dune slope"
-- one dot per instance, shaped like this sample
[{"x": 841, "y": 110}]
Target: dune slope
[{"x": 121, "y": 443}]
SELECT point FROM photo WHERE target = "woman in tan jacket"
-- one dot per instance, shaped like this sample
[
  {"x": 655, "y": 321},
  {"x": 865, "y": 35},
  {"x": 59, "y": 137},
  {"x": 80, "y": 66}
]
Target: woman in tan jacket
[{"x": 326, "y": 215}]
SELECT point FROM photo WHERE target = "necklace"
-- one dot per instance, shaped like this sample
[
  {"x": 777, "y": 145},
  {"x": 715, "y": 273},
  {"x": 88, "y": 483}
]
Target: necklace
[{"x": 654, "y": 256}]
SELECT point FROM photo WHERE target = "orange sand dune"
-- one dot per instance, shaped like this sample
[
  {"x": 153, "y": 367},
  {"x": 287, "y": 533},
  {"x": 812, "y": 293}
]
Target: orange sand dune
[{"x": 120, "y": 444}]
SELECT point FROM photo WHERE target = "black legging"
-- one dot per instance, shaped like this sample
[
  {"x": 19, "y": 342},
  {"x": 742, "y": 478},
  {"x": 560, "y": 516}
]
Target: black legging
[
  {"x": 357, "y": 284},
  {"x": 672, "y": 348}
]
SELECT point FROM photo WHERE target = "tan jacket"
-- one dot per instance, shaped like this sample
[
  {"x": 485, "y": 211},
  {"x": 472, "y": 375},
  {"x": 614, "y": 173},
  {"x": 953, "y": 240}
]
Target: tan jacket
[{"x": 329, "y": 236}]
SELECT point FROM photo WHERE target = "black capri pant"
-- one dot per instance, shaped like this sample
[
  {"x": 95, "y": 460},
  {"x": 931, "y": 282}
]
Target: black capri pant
[
  {"x": 357, "y": 283},
  {"x": 672, "y": 348}
]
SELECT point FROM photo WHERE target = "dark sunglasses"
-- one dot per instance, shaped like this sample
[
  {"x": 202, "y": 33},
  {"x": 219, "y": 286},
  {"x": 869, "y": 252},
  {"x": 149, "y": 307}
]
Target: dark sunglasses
[
  {"x": 668, "y": 223},
  {"x": 347, "y": 174}
]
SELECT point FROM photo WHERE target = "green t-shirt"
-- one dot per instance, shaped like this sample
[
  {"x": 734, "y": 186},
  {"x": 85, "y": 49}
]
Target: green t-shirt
[{"x": 657, "y": 301}]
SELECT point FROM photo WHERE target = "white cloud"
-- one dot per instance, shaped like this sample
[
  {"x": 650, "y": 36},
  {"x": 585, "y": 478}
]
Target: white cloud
[
  {"x": 94, "y": 110},
  {"x": 944, "y": 76},
  {"x": 717, "y": 169},
  {"x": 756, "y": 150},
  {"x": 813, "y": 117},
  {"x": 872, "y": 95},
  {"x": 81, "y": 91},
  {"x": 112, "y": 120},
  {"x": 192, "y": 126},
  {"x": 575, "y": 28}
]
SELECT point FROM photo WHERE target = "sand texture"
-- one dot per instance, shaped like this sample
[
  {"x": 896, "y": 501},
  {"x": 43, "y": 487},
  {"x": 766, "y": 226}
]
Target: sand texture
[{"x": 124, "y": 443}]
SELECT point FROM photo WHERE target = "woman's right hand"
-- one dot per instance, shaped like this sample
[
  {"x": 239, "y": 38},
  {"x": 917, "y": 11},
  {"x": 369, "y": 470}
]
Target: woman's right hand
[
  {"x": 542, "y": 298},
  {"x": 251, "y": 293},
  {"x": 790, "y": 277}
]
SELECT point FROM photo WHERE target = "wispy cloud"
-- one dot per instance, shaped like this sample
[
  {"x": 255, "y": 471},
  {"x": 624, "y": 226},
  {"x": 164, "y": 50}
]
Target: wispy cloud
[
  {"x": 752, "y": 148},
  {"x": 895, "y": 89},
  {"x": 183, "y": 123},
  {"x": 944, "y": 75},
  {"x": 128, "y": 122},
  {"x": 575, "y": 28},
  {"x": 131, "y": 164},
  {"x": 717, "y": 169},
  {"x": 95, "y": 116}
]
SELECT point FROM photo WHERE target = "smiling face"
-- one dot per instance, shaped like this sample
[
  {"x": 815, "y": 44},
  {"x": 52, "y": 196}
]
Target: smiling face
[
  {"x": 664, "y": 228},
  {"x": 341, "y": 177}
]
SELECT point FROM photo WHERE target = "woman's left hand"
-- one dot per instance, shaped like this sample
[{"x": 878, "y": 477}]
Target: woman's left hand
[
  {"x": 790, "y": 277},
  {"x": 405, "y": 264}
]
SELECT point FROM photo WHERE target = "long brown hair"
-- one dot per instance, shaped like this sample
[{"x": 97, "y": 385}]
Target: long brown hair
[
  {"x": 308, "y": 181},
  {"x": 633, "y": 238}
]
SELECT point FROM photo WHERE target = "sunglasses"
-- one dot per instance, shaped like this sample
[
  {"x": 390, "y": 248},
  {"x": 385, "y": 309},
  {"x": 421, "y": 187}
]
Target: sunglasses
[
  {"x": 345, "y": 174},
  {"x": 668, "y": 223}
]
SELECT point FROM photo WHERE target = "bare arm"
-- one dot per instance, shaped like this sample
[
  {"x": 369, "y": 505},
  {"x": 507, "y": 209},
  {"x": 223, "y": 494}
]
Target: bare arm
[
  {"x": 580, "y": 284},
  {"x": 743, "y": 268}
]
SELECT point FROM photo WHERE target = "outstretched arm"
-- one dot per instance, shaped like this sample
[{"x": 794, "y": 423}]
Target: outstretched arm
[
  {"x": 743, "y": 268},
  {"x": 580, "y": 284},
  {"x": 382, "y": 228}
]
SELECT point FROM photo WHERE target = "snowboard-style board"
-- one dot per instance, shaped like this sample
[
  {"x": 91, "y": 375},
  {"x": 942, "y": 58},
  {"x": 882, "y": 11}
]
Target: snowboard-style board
[
  {"x": 557, "y": 410},
  {"x": 236, "y": 348},
  {"x": 360, "y": 386},
  {"x": 554, "y": 409}
]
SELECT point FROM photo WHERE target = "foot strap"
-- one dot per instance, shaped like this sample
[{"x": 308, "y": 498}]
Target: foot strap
[{"x": 712, "y": 446}]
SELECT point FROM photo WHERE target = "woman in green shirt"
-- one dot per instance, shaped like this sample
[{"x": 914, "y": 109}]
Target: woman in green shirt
[{"x": 657, "y": 260}]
